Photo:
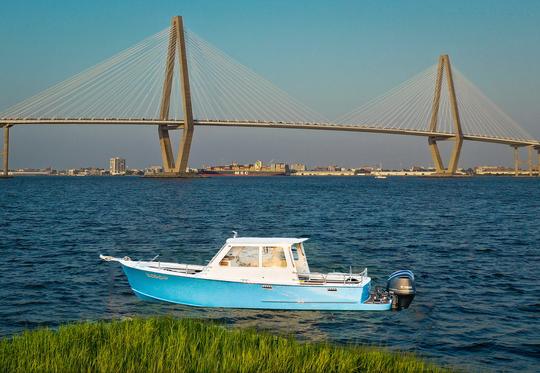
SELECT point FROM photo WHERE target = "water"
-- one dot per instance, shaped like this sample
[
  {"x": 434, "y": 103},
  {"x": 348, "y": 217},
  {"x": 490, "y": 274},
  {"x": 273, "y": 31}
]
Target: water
[{"x": 472, "y": 242}]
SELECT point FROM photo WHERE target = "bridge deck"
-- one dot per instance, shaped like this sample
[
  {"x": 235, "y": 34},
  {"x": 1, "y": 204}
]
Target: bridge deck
[{"x": 265, "y": 124}]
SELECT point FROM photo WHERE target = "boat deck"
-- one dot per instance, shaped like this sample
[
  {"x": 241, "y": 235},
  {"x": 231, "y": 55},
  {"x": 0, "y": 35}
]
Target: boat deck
[{"x": 332, "y": 278}]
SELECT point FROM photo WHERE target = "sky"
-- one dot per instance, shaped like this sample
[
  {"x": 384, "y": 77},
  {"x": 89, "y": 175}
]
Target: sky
[{"x": 331, "y": 55}]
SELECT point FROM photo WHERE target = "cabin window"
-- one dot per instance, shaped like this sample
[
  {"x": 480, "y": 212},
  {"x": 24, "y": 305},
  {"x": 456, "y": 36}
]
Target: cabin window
[
  {"x": 299, "y": 258},
  {"x": 273, "y": 256},
  {"x": 295, "y": 249},
  {"x": 241, "y": 256}
]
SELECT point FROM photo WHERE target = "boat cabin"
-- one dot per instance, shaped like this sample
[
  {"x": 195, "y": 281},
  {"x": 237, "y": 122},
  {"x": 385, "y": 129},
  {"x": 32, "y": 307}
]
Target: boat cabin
[{"x": 253, "y": 259}]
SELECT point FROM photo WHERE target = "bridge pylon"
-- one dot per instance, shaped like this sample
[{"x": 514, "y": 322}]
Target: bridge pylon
[
  {"x": 445, "y": 67},
  {"x": 177, "y": 45}
]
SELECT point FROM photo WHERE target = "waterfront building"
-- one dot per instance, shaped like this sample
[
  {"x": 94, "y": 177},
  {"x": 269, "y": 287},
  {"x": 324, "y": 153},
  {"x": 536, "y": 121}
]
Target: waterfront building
[
  {"x": 92, "y": 171},
  {"x": 500, "y": 170},
  {"x": 297, "y": 167},
  {"x": 153, "y": 170},
  {"x": 30, "y": 172},
  {"x": 117, "y": 166},
  {"x": 279, "y": 167}
]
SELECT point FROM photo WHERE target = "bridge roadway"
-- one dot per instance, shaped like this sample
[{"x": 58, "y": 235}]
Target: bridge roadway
[{"x": 174, "y": 124}]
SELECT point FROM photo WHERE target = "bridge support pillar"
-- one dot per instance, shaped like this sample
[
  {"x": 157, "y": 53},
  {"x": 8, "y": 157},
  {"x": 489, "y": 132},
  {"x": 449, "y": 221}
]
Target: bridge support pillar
[
  {"x": 177, "y": 44},
  {"x": 538, "y": 162},
  {"x": 444, "y": 66},
  {"x": 530, "y": 160},
  {"x": 516, "y": 160},
  {"x": 5, "y": 152}
]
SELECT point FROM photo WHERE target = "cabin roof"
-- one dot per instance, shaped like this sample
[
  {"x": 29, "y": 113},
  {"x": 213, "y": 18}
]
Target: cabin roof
[{"x": 265, "y": 240}]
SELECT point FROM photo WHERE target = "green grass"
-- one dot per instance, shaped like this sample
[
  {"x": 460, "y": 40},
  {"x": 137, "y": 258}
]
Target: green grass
[{"x": 183, "y": 345}]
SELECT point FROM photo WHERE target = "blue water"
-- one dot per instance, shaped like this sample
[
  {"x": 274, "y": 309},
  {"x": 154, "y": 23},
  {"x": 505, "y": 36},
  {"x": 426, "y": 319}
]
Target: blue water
[{"x": 472, "y": 242}]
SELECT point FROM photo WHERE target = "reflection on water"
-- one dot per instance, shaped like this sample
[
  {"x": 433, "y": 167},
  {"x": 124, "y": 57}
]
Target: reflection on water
[{"x": 472, "y": 243}]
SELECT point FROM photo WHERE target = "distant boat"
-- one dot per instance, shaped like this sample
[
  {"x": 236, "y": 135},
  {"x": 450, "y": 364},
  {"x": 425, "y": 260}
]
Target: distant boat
[
  {"x": 264, "y": 273},
  {"x": 380, "y": 177},
  {"x": 241, "y": 173}
]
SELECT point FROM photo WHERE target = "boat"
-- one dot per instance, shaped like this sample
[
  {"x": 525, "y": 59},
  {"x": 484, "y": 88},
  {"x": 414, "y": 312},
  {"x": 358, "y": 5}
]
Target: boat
[
  {"x": 380, "y": 176},
  {"x": 209, "y": 172},
  {"x": 255, "y": 169},
  {"x": 264, "y": 273}
]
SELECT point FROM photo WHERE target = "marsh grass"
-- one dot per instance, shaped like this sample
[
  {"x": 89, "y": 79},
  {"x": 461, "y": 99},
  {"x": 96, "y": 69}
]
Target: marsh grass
[{"x": 184, "y": 345}]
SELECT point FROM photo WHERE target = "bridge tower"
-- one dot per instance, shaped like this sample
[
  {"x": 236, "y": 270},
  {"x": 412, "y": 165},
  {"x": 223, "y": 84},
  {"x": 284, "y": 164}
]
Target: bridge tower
[
  {"x": 177, "y": 45},
  {"x": 444, "y": 68}
]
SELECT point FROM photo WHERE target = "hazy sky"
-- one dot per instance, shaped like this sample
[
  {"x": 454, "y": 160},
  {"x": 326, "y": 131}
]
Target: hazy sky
[{"x": 331, "y": 55}]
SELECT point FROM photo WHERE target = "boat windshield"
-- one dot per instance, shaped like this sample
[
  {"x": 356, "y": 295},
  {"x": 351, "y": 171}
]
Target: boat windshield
[
  {"x": 273, "y": 256},
  {"x": 241, "y": 256}
]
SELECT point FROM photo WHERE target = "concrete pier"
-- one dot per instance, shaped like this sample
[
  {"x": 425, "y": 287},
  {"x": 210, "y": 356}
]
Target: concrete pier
[{"x": 5, "y": 153}]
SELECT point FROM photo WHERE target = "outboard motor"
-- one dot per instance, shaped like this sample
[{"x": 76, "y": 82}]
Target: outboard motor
[{"x": 401, "y": 286}]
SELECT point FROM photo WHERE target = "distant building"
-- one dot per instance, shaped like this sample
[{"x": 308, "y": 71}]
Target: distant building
[
  {"x": 92, "y": 171},
  {"x": 493, "y": 170},
  {"x": 30, "y": 172},
  {"x": 331, "y": 168},
  {"x": 365, "y": 170},
  {"x": 135, "y": 171},
  {"x": 153, "y": 170},
  {"x": 117, "y": 166},
  {"x": 297, "y": 167},
  {"x": 279, "y": 167}
]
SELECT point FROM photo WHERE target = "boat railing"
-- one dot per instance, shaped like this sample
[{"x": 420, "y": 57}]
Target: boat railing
[
  {"x": 183, "y": 268},
  {"x": 333, "y": 277}
]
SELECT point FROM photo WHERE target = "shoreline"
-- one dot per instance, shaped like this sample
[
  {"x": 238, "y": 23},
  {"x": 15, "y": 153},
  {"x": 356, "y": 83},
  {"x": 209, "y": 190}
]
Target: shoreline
[{"x": 206, "y": 176}]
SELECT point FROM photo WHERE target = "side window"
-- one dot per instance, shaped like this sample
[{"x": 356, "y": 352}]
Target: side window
[
  {"x": 273, "y": 256},
  {"x": 294, "y": 249},
  {"x": 241, "y": 256}
]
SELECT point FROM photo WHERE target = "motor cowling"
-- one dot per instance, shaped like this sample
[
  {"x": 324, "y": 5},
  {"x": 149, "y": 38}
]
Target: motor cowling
[{"x": 402, "y": 288}]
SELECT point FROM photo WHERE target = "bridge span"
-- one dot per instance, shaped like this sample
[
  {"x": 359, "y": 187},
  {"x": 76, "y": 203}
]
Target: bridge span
[{"x": 175, "y": 80}]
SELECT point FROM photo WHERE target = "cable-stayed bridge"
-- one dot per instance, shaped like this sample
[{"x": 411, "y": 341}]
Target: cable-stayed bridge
[{"x": 177, "y": 80}]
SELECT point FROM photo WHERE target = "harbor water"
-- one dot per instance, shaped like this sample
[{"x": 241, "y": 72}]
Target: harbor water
[{"x": 473, "y": 243}]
